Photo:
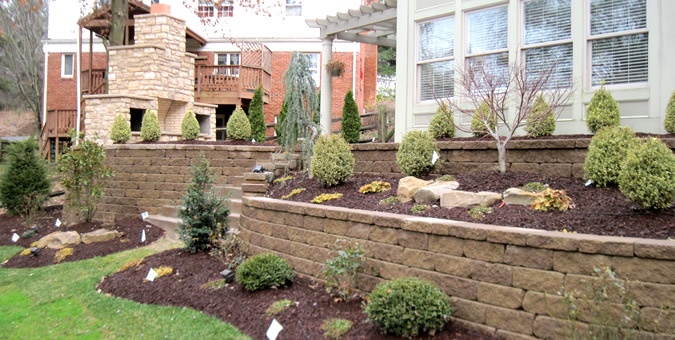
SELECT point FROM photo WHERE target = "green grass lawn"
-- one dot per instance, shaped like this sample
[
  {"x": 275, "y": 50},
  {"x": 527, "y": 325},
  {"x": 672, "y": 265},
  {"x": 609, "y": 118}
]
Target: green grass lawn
[{"x": 60, "y": 301}]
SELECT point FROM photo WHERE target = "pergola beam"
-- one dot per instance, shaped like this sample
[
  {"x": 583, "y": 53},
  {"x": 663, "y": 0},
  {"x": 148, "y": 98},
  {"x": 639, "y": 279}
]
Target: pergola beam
[
  {"x": 345, "y": 25},
  {"x": 366, "y": 39}
]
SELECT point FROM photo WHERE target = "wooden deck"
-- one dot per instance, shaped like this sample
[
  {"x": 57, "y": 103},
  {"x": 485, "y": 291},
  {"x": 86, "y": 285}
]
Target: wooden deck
[
  {"x": 230, "y": 84},
  {"x": 55, "y": 132}
]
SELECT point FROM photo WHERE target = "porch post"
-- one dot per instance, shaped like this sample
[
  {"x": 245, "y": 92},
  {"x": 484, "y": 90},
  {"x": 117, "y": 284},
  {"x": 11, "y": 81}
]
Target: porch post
[{"x": 326, "y": 87}]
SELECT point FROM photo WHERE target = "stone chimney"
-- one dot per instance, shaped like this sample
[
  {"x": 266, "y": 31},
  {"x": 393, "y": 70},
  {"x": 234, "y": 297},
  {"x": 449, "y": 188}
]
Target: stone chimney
[{"x": 157, "y": 8}]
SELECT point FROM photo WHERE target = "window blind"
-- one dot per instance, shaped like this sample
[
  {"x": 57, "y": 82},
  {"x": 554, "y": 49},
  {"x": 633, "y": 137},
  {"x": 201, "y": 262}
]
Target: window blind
[
  {"x": 437, "y": 80},
  {"x": 542, "y": 59},
  {"x": 487, "y": 30},
  {"x": 609, "y": 16},
  {"x": 620, "y": 60},
  {"x": 436, "y": 39},
  {"x": 547, "y": 20}
]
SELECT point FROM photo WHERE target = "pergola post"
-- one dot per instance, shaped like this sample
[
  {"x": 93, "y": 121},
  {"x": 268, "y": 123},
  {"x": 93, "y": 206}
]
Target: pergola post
[{"x": 326, "y": 86}]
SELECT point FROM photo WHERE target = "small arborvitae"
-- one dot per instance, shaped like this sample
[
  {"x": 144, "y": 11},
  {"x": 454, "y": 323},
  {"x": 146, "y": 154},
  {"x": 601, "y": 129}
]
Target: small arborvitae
[
  {"x": 317, "y": 115},
  {"x": 442, "y": 125},
  {"x": 669, "y": 123},
  {"x": 602, "y": 111},
  {"x": 541, "y": 120},
  {"x": 189, "y": 128},
  {"x": 279, "y": 126},
  {"x": 121, "y": 130},
  {"x": 150, "y": 127},
  {"x": 351, "y": 121},
  {"x": 256, "y": 116},
  {"x": 238, "y": 126},
  {"x": 478, "y": 119}
]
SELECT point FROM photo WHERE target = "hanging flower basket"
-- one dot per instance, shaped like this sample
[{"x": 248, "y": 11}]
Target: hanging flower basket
[{"x": 335, "y": 67}]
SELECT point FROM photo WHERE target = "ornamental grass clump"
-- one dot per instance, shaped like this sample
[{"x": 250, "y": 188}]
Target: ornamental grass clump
[
  {"x": 442, "y": 125},
  {"x": 541, "y": 120},
  {"x": 482, "y": 115},
  {"x": 415, "y": 153},
  {"x": 189, "y": 127},
  {"x": 333, "y": 162},
  {"x": 264, "y": 271},
  {"x": 150, "y": 127},
  {"x": 408, "y": 307},
  {"x": 602, "y": 111},
  {"x": 238, "y": 126},
  {"x": 120, "y": 132},
  {"x": 24, "y": 186},
  {"x": 606, "y": 152},
  {"x": 647, "y": 175},
  {"x": 669, "y": 122},
  {"x": 351, "y": 121}
]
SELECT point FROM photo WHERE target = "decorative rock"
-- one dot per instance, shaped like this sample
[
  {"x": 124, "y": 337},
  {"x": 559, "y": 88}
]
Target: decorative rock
[
  {"x": 35, "y": 251},
  {"x": 228, "y": 275},
  {"x": 59, "y": 239},
  {"x": 100, "y": 235},
  {"x": 407, "y": 186},
  {"x": 432, "y": 192},
  {"x": 515, "y": 196},
  {"x": 457, "y": 198}
]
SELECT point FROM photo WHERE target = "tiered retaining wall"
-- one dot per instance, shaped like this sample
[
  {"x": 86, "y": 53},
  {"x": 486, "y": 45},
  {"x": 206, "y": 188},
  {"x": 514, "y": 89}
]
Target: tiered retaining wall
[
  {"x": 502, "y": 280},
  {"x": 149, "y": 176}
]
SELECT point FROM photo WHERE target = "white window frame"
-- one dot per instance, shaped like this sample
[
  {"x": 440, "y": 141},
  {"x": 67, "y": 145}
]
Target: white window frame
[
  {"x": 418, "y": 63},
  {"x": 230, "y": 72},
  {"x": 63, "y": 65},
  {"x": 225, "y": 4},
  {"x": 293, "y": 4},
  {"x": 465, "y": 35},
  {"x": 206, "y": 4},
  {"x": 588, "y": 68},
  {"x": 315, "y": 71}
]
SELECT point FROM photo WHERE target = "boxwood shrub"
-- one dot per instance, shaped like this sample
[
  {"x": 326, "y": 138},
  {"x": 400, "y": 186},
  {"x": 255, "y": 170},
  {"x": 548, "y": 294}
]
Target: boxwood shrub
[
  {"x": 442, "y": 125},
  {"x": 264, "y": 271},
  {"x": 415, "y": 153},
  {"x": 648, "y": 174},
  {"x": 333, "y": 162},
  {"x": 606, "y": 152}
]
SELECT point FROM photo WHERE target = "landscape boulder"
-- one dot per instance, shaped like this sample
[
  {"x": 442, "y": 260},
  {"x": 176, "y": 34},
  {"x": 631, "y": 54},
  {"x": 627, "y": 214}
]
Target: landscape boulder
[
  {"x": 516, "y": 196},
  {"x": 432, "y": 192},
  {"x": 59, "y": 240},
  {"x": 100, "y": 235},
  {"x": 407, "y": 186},
  {"x": 457, "y": 198}
]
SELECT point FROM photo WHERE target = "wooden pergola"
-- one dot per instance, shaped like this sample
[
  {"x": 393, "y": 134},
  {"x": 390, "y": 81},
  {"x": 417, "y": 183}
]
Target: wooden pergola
[{"x": 373, "y": 24}]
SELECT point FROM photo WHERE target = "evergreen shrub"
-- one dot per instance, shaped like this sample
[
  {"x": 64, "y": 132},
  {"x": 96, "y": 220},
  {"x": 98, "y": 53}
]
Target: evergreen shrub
[
  {"x": 256, "y": 116},
  {"x": 120, "y": 132},
  {"x": 25, "y": 185},
  {"x": 264, "y": 271},
  {"x": 606, "y": 151},
  {"x": 333, "y": 162},
  {"x": 238, "y": 126},
  {"x": 279, "y": 126},
  {"x": 648, "y": 174},
  {"x": 541, "y": 120},
  {"x": 669, "y": 122},
  {"x": 351, "y": 120},
  {"x": 189, "y": 127},
  {"x": 415, "y": 153},
  {"x": 481, "y": 114},
  {"x": 442, "y": 125},
  {"x": 602, "y": 111},
  {"x": 150, "y": 127}
]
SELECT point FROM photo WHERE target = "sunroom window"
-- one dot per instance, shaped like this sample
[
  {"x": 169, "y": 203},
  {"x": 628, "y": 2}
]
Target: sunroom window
[
  {"x": 487, "y": 38},
  {"x": 435, "y": 58}
]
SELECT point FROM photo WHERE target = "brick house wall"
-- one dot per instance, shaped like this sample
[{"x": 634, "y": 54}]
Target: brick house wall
[{"x": 62, "y": 92}]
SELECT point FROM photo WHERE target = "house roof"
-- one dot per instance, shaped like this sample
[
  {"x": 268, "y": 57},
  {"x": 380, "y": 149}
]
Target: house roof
[{"x": 373, "y": 24}]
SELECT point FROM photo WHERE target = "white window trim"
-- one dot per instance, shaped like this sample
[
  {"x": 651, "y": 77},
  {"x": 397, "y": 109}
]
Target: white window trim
[
  {"x": 418, "y": 74},
  {"x": 588, "y": 51},
  {"x": 63, "y": 65},
  {"x": 229, "y": 56}
]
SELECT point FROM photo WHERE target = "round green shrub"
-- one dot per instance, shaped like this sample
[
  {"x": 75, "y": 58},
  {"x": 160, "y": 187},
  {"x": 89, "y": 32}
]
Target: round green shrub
[
  {"x": 264, "y": 271},
  {"x": 416, "y": 152},
  {"x": 669, "y": 122},
  {"x": 442, "y": 125},
  {"x": 351, "y": 121},
  {"x": 333, "y": 162},
  {"x": 189, "y": 127},
  {"x": 602, "y": 111},
  {"x": 540, "y": 120},
  {"x": 238, "y": 126},
  {"x": 648, "y": 174},
  {"x": 477, "y": 121},
  {"x": 150, "y": 127},
  {"x": 121, "y": 130},
  {"x": 606, "y": 151},
  {"x": 408, "y": 307},
  {"x": 24, "y": 186}
]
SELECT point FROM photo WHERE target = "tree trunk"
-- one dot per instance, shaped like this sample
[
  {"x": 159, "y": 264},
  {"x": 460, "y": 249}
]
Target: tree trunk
[
  {"x": 501, "y": 150},
  {"x": 118, "y": 22}
]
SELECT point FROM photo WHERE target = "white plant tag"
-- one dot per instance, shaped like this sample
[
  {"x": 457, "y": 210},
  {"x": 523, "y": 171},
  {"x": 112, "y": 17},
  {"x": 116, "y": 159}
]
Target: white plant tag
[
  {"x": 143, "y": 236},
  {"x": 152, "y": 274},
  {"x": 57, "y": 223},
  {"x": 274, "y": 330},
  {"x": 144, "y": 215},
  {"x": 589, "y": 182},
  {"x": 15, "y": 237},
  {"x": 434, "y": 158}
]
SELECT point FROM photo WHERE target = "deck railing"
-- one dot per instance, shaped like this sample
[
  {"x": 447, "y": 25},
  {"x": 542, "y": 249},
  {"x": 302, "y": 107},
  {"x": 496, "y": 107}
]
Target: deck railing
[
  {"x": 97, "y": 81},
  {"x": 231, "y": 78},
  {"x": 57, "y": 126}
]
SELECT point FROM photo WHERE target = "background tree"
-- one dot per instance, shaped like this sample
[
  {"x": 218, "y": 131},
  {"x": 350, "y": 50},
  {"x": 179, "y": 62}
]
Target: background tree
[
  {"x": 256, "y": 116},
  {"x": 23, "y": 25},
  {"x": 351, "y": 121}
]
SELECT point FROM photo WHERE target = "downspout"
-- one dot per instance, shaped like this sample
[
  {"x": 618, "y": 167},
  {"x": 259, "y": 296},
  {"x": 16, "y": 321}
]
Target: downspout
[
  {"x": 354, "y": 70},
  {"x": 79, "y": 91},
  {"x": 44, "y": 91}
]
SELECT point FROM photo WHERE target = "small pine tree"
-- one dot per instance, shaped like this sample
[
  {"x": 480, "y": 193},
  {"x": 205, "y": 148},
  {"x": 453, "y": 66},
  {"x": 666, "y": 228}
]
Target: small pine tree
[
  {"x": 477, "y": 121},
  {"x": 669, "y": 122},
  {"x": 121, "y": 130},
  {"x": 602, "y": 111},
  {"x": 238, "y": 126},
  {"x": 256, "y": 116},
  {"x": 204, "y": 215},
  {"x": 442, "y": 125},
  {"x": 317, "y": 115},
  {"x": 25, "y": 185},
  {"x": 351, "y": 121},
  {"x": 189, "y": 127},
  {"x": 280, "y": 122},
  {"x": 541, "y": 120},
  {"x": 150, "y": 127}
]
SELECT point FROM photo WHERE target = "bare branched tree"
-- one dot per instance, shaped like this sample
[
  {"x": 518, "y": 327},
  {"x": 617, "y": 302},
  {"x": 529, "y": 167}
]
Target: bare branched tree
[
  {"x": 510, "y": 94},
  {"x": 23, "y": 25}
]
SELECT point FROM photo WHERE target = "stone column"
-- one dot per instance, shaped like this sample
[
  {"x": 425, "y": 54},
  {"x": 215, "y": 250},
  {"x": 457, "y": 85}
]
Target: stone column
[{"x": 326, "y": 87}]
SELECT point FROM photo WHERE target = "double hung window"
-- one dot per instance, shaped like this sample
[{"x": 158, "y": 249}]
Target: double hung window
[
  {"x": 435, "y": 59},
  {"x": 487, "y": 38}
]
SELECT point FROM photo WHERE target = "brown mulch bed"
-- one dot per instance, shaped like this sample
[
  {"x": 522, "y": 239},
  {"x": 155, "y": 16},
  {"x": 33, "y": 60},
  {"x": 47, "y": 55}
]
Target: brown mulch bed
[
  {"x": 599, "y": 211},
  {"x": 246, "y": 310},
  {"x": 132, "y": 229},
  {"x": 213, "y": 142},
  {"x": 490, "y": 138}
]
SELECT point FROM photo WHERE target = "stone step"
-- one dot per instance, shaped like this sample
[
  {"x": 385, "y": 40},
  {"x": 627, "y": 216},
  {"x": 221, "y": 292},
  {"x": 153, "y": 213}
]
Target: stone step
[
  {"x": 172, "y": 210},
  {"x": 170, "y": 224},
  {"x": 235, "y": 180},
  {"x": 230, "y": 191}
]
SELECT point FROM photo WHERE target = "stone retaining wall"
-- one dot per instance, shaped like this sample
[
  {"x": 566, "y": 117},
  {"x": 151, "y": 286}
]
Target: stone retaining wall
[
  {"x": 149, "y": 176},
  {"x": 504, "y": 281},
  {"x": 549, "y": 157}
]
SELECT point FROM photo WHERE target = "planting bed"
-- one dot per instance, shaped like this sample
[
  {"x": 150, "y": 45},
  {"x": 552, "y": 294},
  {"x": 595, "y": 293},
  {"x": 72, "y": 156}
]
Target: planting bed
[
  {"x": 246, "y": 310},
  {"x": 131, "y": 227},
  {"x": 598, "y": 211}
]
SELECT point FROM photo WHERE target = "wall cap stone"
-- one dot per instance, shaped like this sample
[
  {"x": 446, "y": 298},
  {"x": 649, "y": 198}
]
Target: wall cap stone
[
  {"x": 204, "y": 104},
  {"x": 135, "y": 47},
  {"x": 113, "y": 96},
  {"x": 141, "y": 16}
]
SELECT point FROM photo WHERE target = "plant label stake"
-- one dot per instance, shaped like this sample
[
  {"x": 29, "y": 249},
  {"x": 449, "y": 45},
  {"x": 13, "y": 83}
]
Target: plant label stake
[
  {"x": 152, "y": 274},
  {"x": 589, "y": 182},
  {"x": 143, "y": 236},
  {"x": 274, "y": 330},
  {"x": 144, "y": 215},
  {"x": 434, "y": 158},
  {"x": 57, "y": 223},
  {"x": 15, "y": 237}
]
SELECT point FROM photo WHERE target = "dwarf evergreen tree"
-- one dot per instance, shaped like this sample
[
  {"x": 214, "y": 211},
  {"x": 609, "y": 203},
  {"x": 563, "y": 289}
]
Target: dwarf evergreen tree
[
  {"x": 256, "y": 116},
  {"x": 189, "y": 127},
  {"x": 238, "y": 126},
  {"x": 669, "y": 123},
  {"x": 25, "y": 185},
  {"x": 602, "y": 111},
  {"x": 351, "y": 121},
  {"x": 317, "y": 115},
  {"x": 541, "y": 120},
  {"x": 120, "y": 132},
  {"x": 150, "y": 127},
  {"x": 278, "y": 127}
]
